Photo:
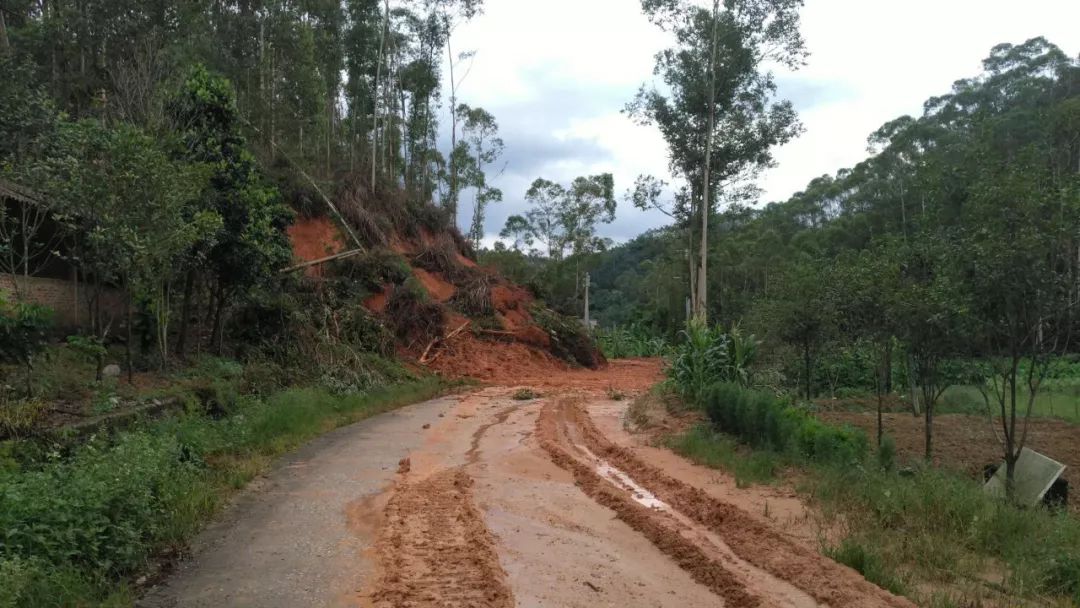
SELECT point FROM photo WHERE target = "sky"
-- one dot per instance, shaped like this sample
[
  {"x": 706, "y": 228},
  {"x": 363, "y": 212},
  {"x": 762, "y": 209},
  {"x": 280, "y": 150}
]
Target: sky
[{"x": 557, "y": 73}]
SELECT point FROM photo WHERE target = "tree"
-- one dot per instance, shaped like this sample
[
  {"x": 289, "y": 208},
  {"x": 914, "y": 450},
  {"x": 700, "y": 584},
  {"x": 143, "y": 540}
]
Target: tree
[
  {"x": 23, "y": 332},
  {"x": 127, "y": 200},
  {"x": 481, "y": 132},
  {"x": 802, "y": 314},
  {"x": 719, "y": 118},
  {"x": 565, "y": 218},
  {"x": 250, "y": 244}
]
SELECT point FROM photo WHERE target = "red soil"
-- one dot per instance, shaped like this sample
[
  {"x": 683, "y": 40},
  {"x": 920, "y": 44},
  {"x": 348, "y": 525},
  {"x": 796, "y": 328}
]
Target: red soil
[
  {"x": 437, "y": 287},
  {"x": 511, "y": 305},
  {"x": 495, "y": 361},
  {"x": 377, "y": 302},
  {"x": 314, "y": 238}
]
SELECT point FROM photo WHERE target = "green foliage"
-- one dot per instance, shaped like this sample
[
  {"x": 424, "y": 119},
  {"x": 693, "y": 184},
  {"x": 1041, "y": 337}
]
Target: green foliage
[
  {"x": 87, "y": 521},
  {"x": 633, "y": 341},
  {"x": 23, "y": 331},
  {"x": 763, "y": 420},
  {"x": 704, "y": 446},
  {"x": 867, "y": 561},
  {"x": 708, "y": 355}
]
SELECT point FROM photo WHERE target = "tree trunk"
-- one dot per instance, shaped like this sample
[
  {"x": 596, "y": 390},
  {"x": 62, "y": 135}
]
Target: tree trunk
[
  {"x": 375, "y": 96},
  {"x": 29, "y": 376},
  {"x": 912, "y": 386},
  {"x": 700, "y": 305},
  {"x": 185, "y": 312},
  {"x": 127, "y": 342},
  {"x": 5, "y": 46},
  {"x": 806, "y": 364},
  {"x": 215, "y": 332},
  {"x": 451, "y": 199},
  {"x": 929, "y": 410}
]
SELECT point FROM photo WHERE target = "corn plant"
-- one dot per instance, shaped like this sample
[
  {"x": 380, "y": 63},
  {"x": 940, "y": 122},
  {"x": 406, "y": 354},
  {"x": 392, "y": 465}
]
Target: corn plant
[{"x": 708, "y": 355}]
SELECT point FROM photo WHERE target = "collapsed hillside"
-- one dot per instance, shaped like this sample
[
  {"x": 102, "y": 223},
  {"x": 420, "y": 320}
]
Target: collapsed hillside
[{"x": 416, "y": 276}]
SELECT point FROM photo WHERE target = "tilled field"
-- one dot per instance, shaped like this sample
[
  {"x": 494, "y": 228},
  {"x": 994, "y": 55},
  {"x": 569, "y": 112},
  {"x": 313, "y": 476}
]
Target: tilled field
[{"x": 969, "y": 443}]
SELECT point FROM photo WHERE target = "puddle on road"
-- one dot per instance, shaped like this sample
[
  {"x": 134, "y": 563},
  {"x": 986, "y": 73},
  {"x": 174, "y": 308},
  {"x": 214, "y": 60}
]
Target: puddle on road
[{"x": 622, "y": 480}]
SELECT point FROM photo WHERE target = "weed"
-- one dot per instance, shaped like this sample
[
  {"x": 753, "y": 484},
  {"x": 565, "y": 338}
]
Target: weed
[
  {"x": 717, "y": 451},
  {"x": 19, "y": 418},
  {"x": 867, "y": 562},
  {"x": 525, "y": 394},
  {"x": 615, "y": 394}
]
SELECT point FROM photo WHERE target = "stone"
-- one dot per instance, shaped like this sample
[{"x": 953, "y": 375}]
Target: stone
[{"x": 111, "y": 371}]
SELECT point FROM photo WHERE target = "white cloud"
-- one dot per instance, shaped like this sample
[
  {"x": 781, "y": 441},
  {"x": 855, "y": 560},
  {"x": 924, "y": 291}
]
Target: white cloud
[{"x": 561, "y": 70}]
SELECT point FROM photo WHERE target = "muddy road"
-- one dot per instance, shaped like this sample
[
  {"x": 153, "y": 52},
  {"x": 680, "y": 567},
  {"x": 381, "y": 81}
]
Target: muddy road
[{"x": 481, "y": 500}]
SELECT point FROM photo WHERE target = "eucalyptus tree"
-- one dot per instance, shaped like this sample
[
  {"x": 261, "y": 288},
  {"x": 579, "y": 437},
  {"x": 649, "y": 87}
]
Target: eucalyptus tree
[
  {"x": 484, "y": 147},
  {"x": 718, "y": 113},
  {"x": 564, "y": 218}
]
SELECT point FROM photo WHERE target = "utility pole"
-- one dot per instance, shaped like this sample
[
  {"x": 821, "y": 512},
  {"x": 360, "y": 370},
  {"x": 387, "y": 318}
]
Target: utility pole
[{"x": 587, "y": 283}]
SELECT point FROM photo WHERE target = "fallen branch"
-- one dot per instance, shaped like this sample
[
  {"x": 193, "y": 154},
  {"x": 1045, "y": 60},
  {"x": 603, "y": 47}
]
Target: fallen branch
[
  {"x": 424, "y": 357},
  {"x": 329, "y": 258}
]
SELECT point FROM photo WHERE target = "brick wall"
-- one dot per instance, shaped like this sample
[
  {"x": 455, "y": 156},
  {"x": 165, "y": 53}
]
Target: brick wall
[{"x": 69, "y": 302}]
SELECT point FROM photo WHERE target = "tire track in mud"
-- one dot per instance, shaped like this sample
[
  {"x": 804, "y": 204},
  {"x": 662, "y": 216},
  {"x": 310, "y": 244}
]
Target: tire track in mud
[
  {"x": 686, "y": 554},
  {"x": 435, "y": 549},
  {"x": 824, "y": 580}
]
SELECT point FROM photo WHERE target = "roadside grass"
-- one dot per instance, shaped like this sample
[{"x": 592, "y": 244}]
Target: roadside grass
[
  {"x": 76, "y": 528},
  {"x": 930, "y": 534},
  {"x": 703, "y": 446}
]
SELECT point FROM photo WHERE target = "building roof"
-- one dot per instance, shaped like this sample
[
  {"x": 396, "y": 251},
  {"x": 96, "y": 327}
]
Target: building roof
[{"x": 17, "y": 192}]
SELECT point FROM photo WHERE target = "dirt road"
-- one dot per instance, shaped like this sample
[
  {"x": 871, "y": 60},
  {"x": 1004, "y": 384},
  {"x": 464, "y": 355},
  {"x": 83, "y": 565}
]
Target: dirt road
[{"x": 483, "y": 500}]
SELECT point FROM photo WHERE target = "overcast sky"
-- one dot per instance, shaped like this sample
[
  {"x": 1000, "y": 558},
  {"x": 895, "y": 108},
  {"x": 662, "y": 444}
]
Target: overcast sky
[{"x": 556, "y": 73}]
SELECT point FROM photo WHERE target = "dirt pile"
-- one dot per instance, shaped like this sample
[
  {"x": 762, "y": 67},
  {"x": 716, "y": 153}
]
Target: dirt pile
[{"x": 416, "y": 270}]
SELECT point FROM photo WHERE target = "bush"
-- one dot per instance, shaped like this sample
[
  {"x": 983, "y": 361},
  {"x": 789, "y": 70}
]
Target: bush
[
  {"x": 569, "y": 339},
  {"x": 763, "y": 420},
  {"x": 412, "y": 314},
  {"x": 72, "y": 527}
]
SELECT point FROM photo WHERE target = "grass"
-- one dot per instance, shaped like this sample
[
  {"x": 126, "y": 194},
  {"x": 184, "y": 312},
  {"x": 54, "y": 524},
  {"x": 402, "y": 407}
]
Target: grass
[
  {"x": 77, "y": 527},
  {"x": 930, "y": 534},
  {"x": 716, "y": 450},
  {"x": 1056, "y": 399}
]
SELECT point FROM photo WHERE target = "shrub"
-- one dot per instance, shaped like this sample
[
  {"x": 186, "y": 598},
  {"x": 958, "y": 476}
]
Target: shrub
[
  {"x": 569, "y": 339},
  {"x": 413, "y": 314},
  {"x": 525, "y": 394},
  {"x": 763, "y": 420}
]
